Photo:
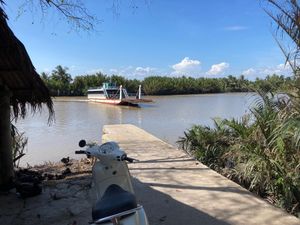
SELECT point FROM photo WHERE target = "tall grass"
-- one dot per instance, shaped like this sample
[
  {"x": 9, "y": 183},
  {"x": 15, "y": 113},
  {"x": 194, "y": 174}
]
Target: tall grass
[
  {"x": 260, "y": 151},
  {"x": 19, "y": 143}
]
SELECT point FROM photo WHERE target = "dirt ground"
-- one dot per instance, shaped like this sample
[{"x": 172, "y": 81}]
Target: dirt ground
[
  {"x": 69, "y": 201},
  {"x": 62, "y": 201}
]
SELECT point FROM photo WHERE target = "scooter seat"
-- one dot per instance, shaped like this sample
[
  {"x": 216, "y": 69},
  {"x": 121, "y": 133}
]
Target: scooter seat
[{"x": 115, "y": 200}]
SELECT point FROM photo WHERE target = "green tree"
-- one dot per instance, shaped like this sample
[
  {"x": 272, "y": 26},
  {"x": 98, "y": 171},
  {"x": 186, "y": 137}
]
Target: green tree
[{"x": 60, "y": 80}]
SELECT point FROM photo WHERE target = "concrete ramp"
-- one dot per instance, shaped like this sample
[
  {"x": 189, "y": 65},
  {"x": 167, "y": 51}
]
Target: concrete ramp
[{"x": 177, "y": 190}]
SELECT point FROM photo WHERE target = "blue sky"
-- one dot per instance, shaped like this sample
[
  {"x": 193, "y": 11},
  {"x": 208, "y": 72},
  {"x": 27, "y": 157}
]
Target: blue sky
[{"x": 164, "y": 37}]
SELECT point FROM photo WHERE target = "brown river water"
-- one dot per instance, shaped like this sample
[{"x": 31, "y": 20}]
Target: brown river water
[{"x": 167, "y": 118}]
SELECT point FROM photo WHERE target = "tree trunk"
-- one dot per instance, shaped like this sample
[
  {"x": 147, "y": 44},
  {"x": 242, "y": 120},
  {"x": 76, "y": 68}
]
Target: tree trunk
[{"x": 6, "y": 161}]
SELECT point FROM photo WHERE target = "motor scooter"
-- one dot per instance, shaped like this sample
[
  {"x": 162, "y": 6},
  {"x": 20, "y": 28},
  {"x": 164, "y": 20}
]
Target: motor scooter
[{"x": 116, "y": 202}]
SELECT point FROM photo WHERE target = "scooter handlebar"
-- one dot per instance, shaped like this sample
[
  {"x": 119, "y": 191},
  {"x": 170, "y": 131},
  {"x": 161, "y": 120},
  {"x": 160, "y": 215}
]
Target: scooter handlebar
[
  {"x": 129, "y": 159},
  {"x": 80, "y": 152}
]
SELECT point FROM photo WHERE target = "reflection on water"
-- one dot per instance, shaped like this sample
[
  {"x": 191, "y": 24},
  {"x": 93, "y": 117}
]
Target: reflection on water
[{"x": 167, "y": 118}]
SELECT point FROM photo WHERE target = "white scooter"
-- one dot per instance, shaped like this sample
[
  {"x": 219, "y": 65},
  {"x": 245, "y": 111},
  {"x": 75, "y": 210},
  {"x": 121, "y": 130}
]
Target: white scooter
[{"x": 116, "y": 203}]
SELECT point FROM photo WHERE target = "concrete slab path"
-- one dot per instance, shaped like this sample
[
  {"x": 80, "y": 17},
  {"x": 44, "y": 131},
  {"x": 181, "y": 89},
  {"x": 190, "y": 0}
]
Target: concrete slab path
[{"x": 177, "y": 190}]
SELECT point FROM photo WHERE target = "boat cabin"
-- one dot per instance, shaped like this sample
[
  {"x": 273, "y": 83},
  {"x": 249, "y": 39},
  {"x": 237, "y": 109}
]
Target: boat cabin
[{"x": 107, "y": 91}]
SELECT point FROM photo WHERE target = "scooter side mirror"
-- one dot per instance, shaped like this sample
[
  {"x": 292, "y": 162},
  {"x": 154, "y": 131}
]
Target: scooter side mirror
[{"x": 82, "y": 143}]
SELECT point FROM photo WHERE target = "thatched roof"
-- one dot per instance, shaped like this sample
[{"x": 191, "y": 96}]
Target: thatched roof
[{"x": 18, "y": 74}]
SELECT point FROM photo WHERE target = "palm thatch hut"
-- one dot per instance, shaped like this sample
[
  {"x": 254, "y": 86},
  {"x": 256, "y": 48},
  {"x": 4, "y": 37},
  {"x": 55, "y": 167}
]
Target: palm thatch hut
[{"x": 20, "y": 85}]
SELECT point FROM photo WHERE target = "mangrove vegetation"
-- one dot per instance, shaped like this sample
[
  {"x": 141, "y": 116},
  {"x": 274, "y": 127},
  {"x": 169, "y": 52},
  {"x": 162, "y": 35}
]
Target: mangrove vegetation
[
  {"x": 60, "y": 83},
  {"x": 260, "y": 151}
]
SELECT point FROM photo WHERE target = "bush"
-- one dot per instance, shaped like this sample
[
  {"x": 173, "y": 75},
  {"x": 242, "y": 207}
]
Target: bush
[{"x": 261, "y": 151}]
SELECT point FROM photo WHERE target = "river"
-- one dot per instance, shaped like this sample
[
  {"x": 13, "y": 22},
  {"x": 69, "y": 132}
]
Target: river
[{"x": 167, "y": 118}]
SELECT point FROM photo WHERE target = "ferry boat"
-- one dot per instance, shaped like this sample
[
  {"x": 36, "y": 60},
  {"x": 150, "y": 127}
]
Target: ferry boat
[{"x": 110, "y": 93}]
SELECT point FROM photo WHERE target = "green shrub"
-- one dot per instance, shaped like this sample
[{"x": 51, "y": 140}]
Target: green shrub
[{"x": 260, "y": 151}]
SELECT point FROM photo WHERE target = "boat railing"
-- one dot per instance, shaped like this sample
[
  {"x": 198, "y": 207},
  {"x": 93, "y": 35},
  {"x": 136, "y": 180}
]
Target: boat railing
[
  {"x": 95, "y": 87},
  {"x": 113, "y": 95},
  {"x": 105, "y": 86},
  {"x": 125, "y": 93}
]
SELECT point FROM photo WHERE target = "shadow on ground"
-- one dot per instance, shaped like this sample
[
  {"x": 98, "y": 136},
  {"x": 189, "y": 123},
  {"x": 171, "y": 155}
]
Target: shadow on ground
[
  {"x": 162, "y": 209},
  {"x": 71, "y": 201}
]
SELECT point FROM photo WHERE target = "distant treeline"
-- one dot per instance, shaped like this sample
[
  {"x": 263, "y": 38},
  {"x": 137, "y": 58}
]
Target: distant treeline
[{"x": 60, "y": 83}]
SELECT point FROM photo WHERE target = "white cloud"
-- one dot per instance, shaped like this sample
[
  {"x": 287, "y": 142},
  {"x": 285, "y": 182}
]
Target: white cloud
[
  {"x": 280, "y": 69},
  {"x": 113, "y": 71},
  {"x": 73, "y": 67},
  {"x": 218, "y": 69},
  {"x": 123, "y": 71},
  {"x": 92, "y": 71},
  {"x": 134, "y": 72},
  {"x": 235, "y": 28},
  {"x": 249, "y": 71},
  {"x": 186, "y": 66},
  {"x": 143, "y": 70},
  {"x": 46, "y": 70}
]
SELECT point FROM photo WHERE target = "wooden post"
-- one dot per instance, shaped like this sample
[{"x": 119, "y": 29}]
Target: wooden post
[{"x": 6, "y": 160}]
